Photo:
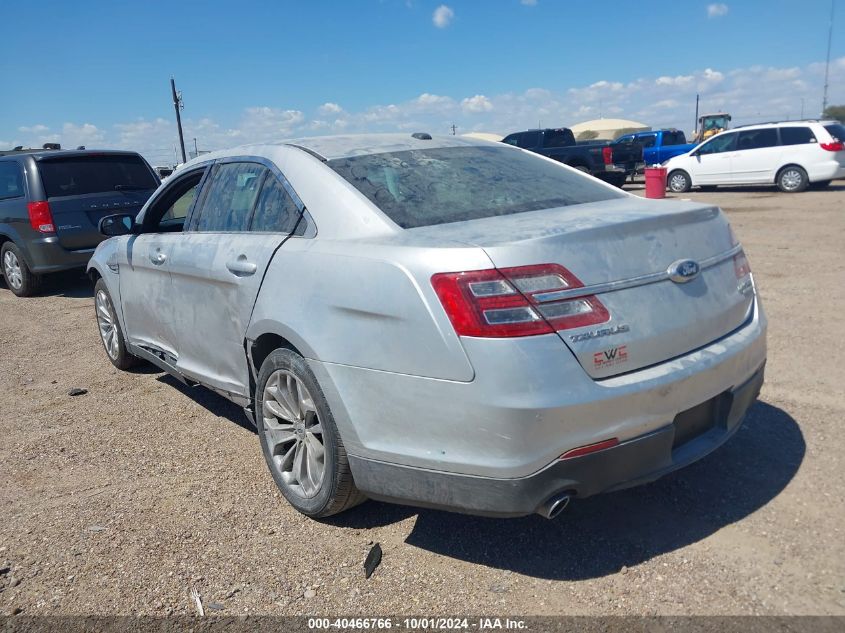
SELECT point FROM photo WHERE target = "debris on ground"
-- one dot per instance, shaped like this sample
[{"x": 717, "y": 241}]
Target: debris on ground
[
  {"x": 77, "y": 391},
  {"x": 196, "y": 596},
  {"x": 372, "y": 560}
]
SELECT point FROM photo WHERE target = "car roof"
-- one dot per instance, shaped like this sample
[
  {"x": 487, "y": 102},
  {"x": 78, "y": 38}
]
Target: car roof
[
  {"x": 346, "y": 145},
  {"x": 64, "y": 153}
]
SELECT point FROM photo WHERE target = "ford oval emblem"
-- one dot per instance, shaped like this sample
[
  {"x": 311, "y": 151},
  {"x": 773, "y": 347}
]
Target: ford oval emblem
[{"x": 683, "y": 270}]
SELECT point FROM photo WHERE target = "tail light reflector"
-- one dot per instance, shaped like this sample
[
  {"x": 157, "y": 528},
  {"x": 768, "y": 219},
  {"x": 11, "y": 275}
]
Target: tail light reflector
[
  {"x": 741, "y": 265},
  {"x": 40, "y": 216},
  {"x": 501, "y": 303},
  {"x": 607, "y": 154},
  {"x": 836, "y": 146},
  {"x": 590, "y": 448}
]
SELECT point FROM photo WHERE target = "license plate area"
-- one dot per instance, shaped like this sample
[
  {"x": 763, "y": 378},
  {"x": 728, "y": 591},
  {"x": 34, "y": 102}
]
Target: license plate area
[{"x": 702, "y": 418}]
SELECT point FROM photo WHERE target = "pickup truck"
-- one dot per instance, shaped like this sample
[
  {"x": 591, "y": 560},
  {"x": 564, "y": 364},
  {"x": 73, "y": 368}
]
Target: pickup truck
[
  {"x": 559, "y": 144},
  {"x": 667, "y": 144},
  {"x": 649, "y": 148}
]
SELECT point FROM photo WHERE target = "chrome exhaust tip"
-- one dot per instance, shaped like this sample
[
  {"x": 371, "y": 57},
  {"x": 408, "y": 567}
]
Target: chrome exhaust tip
[{"x": 554, "y": 505}]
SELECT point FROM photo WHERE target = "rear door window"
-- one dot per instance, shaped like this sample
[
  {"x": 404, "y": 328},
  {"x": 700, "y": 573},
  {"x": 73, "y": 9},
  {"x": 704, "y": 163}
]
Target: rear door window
[
  {"x": 530, "y": 140},
  {"x": 275, "y": 211},
  {"x": 230, "y": 197},
  {"x": 88, "y": 174},
  {"x": 648, "y": 140},
  {"x": 557, "y": 138},
  {"x": 758, "y": 139},
  {"x": 796, "y": 135},
  {"x": 11, "y": 180}
]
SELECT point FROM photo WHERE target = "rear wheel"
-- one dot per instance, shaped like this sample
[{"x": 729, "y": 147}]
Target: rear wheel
[
  {"x": 300, "y": 441},
  {"x": 110, "y": 332},
  {"x": 679, "y": 182},
  {"x": 792, "y": 179},
  {"x": 20, "y": 279}
]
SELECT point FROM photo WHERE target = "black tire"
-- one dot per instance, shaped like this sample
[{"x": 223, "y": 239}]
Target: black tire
[
  {"x": 118, "y": 355},
  {"x": 336, "y": 490},
  {"x": 617, "y": 180},
  {"x": 792, "y": 179},
  {"x": 679, "y": 181},
  {"x": 581, "y": 168},
  {"x": 19, "y": 278},
  {"x": 820, "y": 184}
]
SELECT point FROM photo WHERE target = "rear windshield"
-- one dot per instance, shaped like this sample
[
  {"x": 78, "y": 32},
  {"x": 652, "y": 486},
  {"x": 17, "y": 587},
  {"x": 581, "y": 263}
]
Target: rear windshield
[
  {"x": 80, "y": 175},
  {"x": 437, "y": 186},
  {"x": 837, "y": 131}
]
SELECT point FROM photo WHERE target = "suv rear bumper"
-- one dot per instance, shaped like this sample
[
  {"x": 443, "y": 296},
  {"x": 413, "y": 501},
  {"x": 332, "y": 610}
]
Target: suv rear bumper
[
  {"x": 630, "y": 463},
  {"x": 46, "y": 255}
]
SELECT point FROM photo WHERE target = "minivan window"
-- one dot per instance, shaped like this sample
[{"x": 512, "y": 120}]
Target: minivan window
[
  {"x": 275, "y": 211},
  {"x": 95, "y": 173},
  {"x": 758, "y": 139},
  {"x": 11, "y": 180},
  {"x": 796, "y": 135},
  {"x": 719, "y": 144},
  {"x": 837, "y": 131},
  {"x": 437, "y": 186},
  {"x": 230, "y": 196}
]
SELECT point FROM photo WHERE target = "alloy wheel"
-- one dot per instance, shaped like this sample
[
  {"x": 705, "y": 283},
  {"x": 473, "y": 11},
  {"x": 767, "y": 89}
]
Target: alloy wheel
[
  {"x": 107, "y": 323},
  {"x": 791, "y": 179},
  {"x": 294, "y": 433},
  {"x": 678, "y": 183},
  {"x": 12, "y": 270}
]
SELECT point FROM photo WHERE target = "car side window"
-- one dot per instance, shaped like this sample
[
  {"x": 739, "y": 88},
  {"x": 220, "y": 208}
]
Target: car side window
[
  {"x": 11, "y": 180},
  {"x": 167, "y": 213},
  {"x": 229, "y": 198},
  {"x": 511, "y": 139},
  {"x": 796, "y": 135},
  {"x": 275, "y": 211},
  {"x": 757, "y": 139},
  {"x": 719, "y": 144},
  {"x": 648, "y": 140},
  {"x": 529, "y": 139}
]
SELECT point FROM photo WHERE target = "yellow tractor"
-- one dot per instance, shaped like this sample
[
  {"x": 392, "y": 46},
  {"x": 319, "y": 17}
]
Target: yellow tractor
[{"x": 710, "y": 124}]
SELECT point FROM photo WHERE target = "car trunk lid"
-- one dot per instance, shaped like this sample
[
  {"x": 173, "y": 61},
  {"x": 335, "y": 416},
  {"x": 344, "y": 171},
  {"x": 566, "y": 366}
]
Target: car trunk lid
[{"x": 621, "y": 251}]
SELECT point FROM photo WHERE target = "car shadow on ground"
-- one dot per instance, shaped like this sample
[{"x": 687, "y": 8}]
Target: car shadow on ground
[
  {"x": 209, "y": 400},
  {"x": 597, "y": 536},
  {"x": 74, "y": 285}
]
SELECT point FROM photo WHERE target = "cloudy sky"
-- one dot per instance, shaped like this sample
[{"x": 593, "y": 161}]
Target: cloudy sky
[{"x": 96, "y": 73}]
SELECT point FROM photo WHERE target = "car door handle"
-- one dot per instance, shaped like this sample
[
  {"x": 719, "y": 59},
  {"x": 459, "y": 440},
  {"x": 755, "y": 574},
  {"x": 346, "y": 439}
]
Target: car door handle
[
  {"x": 241, "y": 266},
  {"x": 158, "y": 258}
]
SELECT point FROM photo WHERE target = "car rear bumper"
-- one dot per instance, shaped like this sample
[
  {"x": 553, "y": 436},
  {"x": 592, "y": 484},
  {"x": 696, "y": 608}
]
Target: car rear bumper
[
  {"x": 46, "y": 255},
  {"x": 636, "y": 461},
  {"x": 826, "y": 170}
]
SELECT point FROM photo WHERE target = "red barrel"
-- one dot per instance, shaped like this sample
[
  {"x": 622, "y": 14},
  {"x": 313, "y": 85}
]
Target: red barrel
[{"x": 655, "y": 182}]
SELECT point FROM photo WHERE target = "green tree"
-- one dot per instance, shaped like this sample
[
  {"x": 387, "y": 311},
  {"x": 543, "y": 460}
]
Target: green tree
[{"x": 835, "y": 112}]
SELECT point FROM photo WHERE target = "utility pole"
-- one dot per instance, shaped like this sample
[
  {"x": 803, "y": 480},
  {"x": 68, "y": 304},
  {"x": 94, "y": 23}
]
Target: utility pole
[
  {"x": 177, "y": 104},
  {"x": 802, "y": 108},
  {"x": 695, "y": 127},
  {"x": 196, "y": 150},
  {"x": 827, "y": 64},
  {"x": 454, "y": 129}
]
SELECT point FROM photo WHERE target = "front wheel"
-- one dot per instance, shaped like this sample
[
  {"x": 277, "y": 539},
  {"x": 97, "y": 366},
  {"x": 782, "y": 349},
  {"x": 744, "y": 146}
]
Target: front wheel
[
  {"x": 110, "y": 332},
  {"x": 299, "y": 439},
  {"x": 679, "y": 182},
  {"x": 792, "y": 179},
  {"x": 20, "y": 279}
]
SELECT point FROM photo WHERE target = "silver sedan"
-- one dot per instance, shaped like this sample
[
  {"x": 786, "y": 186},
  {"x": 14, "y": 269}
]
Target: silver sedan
[{"x": 442, "y": 322}]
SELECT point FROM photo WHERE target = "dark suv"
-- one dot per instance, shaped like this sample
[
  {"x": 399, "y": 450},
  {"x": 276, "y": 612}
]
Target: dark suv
[{"x": 51, "y": 202}]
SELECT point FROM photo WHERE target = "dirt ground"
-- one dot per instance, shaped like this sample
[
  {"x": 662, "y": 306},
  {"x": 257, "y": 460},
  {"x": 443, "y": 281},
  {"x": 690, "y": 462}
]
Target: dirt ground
[{"x": 122, "y": 500}]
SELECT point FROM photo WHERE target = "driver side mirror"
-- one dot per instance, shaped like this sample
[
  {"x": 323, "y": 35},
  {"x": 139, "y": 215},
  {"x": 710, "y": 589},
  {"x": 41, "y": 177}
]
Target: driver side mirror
[{"x": 117, "y": 224}]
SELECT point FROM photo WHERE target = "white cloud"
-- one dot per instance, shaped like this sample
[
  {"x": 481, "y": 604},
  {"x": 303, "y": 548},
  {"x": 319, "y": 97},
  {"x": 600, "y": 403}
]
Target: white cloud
[
  {"x": 717, "y": 10},
  {"x": 529, "y": 3},
  {"x": 478, "y": 103},
  {"x": 34, "y": 129},
  {"x": 329, "y": 108},
  {"x": 442, "y": 16}
]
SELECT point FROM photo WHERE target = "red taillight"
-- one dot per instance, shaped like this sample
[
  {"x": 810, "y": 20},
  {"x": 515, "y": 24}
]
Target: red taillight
[
  {"x": 40, "y": 217},
  {"x": 607, "y": 154},
  {"x": 502, "y": 303},
  {"x": 836, "y": 146},
  {"x": 590, "y": 448},
  {"x": 741, "y": 265}
]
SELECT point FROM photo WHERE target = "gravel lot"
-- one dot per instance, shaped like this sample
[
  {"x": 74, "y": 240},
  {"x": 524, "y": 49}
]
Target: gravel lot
[{"x": 122, "y": 500}]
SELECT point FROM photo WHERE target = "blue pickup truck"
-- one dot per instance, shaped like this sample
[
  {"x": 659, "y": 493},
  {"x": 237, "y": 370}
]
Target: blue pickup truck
[{"x": 653, "y": 147}]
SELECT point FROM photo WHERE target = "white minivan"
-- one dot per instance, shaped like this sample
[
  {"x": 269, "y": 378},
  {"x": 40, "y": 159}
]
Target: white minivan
[{"x": 793, "y": 155}]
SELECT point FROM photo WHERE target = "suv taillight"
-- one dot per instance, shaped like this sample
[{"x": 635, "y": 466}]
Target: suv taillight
[
  {"x": 40, "y": 217},
  {"x": 836, "y": 146},
  {"x": 502, "y": 303},
  {"x": 607, "y": 154}
]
